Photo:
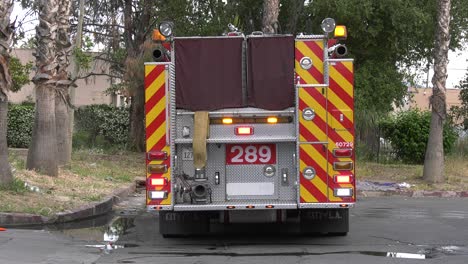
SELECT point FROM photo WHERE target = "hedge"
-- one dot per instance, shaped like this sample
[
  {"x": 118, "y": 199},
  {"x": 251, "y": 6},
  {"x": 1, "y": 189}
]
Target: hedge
[
  {"x": 408, "y": 133},
  {"x": 20, "y": 125},
  {"x": 110, "y": 123},
  {"x": 95, "y": 126}
]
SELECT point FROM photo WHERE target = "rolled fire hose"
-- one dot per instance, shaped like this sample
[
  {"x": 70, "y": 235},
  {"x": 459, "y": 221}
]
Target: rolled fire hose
[{"x": 200, "y": 134}]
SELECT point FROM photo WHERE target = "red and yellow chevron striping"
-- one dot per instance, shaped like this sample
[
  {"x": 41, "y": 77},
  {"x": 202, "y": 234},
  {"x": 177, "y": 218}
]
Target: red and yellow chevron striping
[
  {"x": 156, "y": 127},
  {"x": 312, "y": 48},
  {"x": 341, "y": 130}
]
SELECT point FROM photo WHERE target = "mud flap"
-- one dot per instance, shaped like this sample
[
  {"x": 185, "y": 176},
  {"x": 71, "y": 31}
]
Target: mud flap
[
  {"x": 331, "y": 221},
  {"x": 183, "y": 223}
]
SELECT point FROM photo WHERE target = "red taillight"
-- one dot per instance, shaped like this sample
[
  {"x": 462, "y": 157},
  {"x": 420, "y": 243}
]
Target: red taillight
[
  {"x": 244, "y": 130},
  {"x": 342, "y": 153},
  {"x": 157, "y": 155},
  {"x": 159, "y": 182},
  {"x": 343, "y": 178}
]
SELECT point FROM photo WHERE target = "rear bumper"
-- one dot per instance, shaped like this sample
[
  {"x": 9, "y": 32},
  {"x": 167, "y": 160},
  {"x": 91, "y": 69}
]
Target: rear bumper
[{"x": 217, "y": 206}]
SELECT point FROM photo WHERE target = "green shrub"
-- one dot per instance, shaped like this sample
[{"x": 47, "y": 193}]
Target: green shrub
[
  {"x": 408, "y": 133},
  {"x": 20, "y": 125},
  {"x": 102, "y": 126}
]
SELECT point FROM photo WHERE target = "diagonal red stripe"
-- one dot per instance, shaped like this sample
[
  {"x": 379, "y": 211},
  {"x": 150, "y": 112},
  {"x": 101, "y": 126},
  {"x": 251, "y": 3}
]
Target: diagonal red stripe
[
  {"x": 157, "y": 122},
  {"x": 347, "y": 74},
  {"x": 158, "y": 96},
  {"x": 316, "y": 49},
  {"x": 313, "y": 190},
  {"x": 338, "y": 90},
  {"x": 149, "y": 79},
  {"x": 317, "y": 121},
  {"x": 318, "y": 76},
  {"x": 307, "y": 159}
]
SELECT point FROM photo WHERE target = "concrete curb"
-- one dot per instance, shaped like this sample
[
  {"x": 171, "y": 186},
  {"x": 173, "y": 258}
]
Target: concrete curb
[
  {"x": 415, "y": 194},
  {"x": 80, "y": 213}
]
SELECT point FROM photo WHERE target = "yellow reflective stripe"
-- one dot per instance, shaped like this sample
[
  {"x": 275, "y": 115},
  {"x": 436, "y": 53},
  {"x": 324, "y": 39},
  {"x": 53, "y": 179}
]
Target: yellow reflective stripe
[{"x": 154, "y": 86}]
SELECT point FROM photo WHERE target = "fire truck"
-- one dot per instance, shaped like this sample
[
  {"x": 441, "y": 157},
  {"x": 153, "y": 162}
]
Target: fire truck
[{"x": 250, "y": 129}]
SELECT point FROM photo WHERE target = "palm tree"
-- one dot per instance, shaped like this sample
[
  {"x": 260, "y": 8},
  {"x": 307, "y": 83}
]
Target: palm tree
[
  {"x": 270, "y": 15},
  {"x": 6, "y": 33},
  {"x": 434, "y": 160},
  {"x": 62, "y": 118},
  {"x": 42, "y": 155}
]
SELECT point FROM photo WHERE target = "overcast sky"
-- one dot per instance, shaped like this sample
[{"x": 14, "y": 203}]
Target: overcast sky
[{"x": 457, "y": 68}]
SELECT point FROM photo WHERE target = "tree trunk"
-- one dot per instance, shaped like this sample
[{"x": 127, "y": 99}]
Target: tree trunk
[
  {"x": 6, "y": 32},
  {"x": 434, "y": 159},
  {"x": 62, "y": 111},
  {"x": 136, "y": 34},
  {"x": 42, "y": 154},
  {"x": 5, "y": 170},
  {"x": 270, "y": 16}
]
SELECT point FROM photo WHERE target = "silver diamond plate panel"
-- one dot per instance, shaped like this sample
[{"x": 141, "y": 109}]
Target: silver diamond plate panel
[
  {"x": 217, "y": 163},
  {"x": 251, "y": 174}
]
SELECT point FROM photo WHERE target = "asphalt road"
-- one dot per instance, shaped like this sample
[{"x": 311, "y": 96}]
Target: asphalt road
[{"x": 435, "y": 228}]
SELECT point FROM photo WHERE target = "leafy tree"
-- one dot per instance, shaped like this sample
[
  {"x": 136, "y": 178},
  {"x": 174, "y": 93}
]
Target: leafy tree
[{"x": 19, "y": 73}]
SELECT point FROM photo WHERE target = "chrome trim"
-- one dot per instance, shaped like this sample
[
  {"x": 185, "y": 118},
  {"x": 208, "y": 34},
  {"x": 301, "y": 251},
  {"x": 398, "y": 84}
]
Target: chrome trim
[
  {"x": 302, "y": 37},
  {"x": 340, "y": 60},
  {"x": 311, "y": 85},
  {"x": 157, "y": 63},
  {"x": 325, "y": 205},
  {"x": 168, "y": 102},
  {"x": 243, "y": 113},
  {"x": 240, "y": 140},
  {"x": 209, "y": 37},
  {"x": 314, "y": 143}
]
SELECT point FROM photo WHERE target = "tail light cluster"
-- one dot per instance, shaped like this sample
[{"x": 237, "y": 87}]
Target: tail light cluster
[
  {"x": 157, "y": 182},
  {"x": 346, "y": 167}
]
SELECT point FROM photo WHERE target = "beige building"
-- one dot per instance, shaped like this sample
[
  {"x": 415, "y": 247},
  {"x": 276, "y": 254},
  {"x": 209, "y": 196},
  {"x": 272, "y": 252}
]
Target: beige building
[
  {"x": 419, "y": 98},
  {"x": 89, "y": 91}
]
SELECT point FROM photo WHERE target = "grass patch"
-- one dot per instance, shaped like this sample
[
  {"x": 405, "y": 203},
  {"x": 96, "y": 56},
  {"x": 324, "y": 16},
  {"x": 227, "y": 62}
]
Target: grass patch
[
  {"x": 456, "y": 172},
  {"x": 17, "y": 186},
  {"x": 91, "y": 176}
]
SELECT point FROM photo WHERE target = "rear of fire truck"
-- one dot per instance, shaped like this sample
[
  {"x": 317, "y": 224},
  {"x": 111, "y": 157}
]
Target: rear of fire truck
[{"x": 250, "y": 128}]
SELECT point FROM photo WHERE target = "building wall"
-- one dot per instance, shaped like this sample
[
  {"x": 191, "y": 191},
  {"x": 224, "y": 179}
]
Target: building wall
[
  {"x": 419, "y": 98},
  {"x": 88, "y": 91}
]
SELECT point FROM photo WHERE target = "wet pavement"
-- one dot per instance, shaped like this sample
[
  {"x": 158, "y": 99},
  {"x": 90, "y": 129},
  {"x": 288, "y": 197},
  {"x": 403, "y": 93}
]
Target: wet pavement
[{"x": 383, "y": 230}]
